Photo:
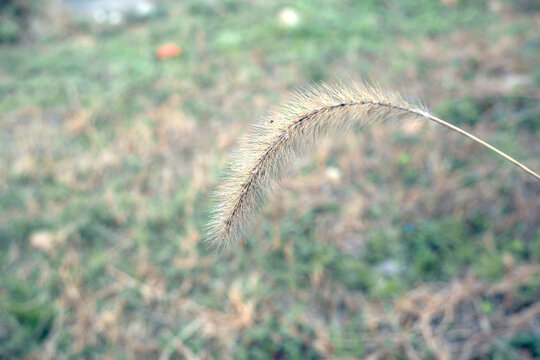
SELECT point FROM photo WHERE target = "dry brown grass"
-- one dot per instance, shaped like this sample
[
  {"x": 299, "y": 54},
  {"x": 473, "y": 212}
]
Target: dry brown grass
[{"x": 449, "y": 321}]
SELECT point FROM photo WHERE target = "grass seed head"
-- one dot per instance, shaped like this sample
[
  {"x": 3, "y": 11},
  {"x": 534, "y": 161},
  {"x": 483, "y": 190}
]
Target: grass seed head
[{"x": 272, "y": 144}]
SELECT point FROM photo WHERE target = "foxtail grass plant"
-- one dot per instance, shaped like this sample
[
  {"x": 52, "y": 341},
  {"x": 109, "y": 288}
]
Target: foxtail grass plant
[{"x": 273, "y": 143}]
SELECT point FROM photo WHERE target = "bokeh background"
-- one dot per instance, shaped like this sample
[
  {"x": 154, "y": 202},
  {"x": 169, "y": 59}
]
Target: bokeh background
[{"x": 396, "y": 242}]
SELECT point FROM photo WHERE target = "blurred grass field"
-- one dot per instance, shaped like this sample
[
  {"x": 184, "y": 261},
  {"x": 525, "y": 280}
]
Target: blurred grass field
[{"x": 403, "y": 241}]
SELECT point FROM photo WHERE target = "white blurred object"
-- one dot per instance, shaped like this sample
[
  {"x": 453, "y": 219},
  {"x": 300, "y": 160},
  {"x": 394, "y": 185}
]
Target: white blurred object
[
  {"x": 390, "y": 268},
  {"x": 111, "y": 12},
  {"x": 108, "y": 17},
  {"x": 144, "y": 8},
  {"x": 289, "y": 17},
  {"x": 42, "y": 240},
  {"x": 333, "y": 174}
]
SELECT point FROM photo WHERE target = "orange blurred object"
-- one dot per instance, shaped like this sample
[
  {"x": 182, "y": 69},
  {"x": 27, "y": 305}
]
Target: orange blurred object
[{"x": 167, "y": 51}]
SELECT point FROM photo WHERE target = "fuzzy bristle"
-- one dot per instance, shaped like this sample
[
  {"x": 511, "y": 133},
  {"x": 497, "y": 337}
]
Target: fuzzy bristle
[{"x": 273, "y": 143}]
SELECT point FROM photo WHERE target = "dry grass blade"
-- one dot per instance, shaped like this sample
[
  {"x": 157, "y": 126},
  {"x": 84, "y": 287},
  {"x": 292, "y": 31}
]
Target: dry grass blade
[{"x": 273, "y": 143}]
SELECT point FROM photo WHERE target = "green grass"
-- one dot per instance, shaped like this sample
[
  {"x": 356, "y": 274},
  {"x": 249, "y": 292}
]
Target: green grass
[{"x": 126, "y": 197}]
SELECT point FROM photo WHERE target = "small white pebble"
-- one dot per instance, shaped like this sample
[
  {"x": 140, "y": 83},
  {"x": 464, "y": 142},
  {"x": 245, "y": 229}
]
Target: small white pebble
[
  {"x": 42, "y": 240},
  {"x": 289, "y": 17},
  {"x": 333, "y": 174}
]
